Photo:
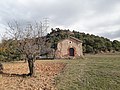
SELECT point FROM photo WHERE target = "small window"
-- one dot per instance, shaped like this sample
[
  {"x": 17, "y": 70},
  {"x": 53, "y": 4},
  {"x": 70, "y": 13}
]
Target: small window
[{"x": 70, "y": 42}]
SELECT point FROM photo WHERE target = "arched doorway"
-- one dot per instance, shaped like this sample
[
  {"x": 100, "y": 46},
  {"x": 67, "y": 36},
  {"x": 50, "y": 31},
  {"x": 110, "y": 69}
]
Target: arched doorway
[{"x": 71, "y": 51}]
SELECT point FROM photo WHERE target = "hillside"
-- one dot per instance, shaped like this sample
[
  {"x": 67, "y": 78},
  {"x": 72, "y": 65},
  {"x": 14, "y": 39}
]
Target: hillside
[{"x": 91, "y": 43}]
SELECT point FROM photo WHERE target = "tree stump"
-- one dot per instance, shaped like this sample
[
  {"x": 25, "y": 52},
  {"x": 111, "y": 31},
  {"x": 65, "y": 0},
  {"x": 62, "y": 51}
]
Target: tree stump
[{"x": 1, "y": 68}]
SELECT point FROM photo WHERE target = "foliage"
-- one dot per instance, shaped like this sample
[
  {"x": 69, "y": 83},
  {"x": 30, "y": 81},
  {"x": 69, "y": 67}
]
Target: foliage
[
  {"x": 9, "y": 51},
  {"x": 91, "y": 43},
  {"x": 116, "y": 45}
]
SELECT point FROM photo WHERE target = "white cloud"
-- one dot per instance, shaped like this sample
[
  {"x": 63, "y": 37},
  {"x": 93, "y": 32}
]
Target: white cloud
[{"x": 96, "y": 16}]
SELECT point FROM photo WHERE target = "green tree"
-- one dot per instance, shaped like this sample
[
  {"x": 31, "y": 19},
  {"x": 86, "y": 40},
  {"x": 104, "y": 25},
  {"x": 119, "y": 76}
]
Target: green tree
[
  {"x": 89, "y": 49},
  {"x": 116, "y": 45}
]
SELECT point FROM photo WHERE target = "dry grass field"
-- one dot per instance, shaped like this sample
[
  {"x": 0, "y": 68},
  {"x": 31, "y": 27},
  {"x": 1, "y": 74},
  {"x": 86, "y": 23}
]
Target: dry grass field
[
  {"x": 13, "y": 77},
  {"x": 95, "y": 72}
]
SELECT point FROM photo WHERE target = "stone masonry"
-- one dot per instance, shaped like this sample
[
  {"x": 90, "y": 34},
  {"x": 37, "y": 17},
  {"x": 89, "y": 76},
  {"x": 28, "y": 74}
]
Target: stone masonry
[{"x": 69, "y": 48}]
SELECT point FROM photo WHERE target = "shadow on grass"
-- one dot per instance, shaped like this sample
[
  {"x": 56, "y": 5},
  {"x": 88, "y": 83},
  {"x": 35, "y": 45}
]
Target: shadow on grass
[{"x": 13, "y": 75}]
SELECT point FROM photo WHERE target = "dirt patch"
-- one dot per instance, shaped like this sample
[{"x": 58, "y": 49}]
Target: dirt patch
[{"x": 13, "y": 76}]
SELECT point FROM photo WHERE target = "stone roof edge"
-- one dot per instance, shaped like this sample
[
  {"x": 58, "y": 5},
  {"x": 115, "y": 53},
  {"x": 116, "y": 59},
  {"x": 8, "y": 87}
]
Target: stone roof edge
[
  {"x": 75, "y": 39},
  {"x": 70, "y": 37}
]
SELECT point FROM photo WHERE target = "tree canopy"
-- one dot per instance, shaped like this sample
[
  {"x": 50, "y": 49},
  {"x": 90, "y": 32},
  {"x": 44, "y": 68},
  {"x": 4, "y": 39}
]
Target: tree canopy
[{"x": 91, "y": 43}]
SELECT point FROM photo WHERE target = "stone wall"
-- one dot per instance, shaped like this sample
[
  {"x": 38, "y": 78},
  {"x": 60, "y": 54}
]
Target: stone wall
[{"x": 64, "y": 46}]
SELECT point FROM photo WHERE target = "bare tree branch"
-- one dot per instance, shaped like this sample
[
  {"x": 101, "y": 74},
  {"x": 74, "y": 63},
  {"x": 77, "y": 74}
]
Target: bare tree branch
[{"x": 28, "y": 40}]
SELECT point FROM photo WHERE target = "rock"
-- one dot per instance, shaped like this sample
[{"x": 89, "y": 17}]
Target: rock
[{"x": 1, "y": 68}]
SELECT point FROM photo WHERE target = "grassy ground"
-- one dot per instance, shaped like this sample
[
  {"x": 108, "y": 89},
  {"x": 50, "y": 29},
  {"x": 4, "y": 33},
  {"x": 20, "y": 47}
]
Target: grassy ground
[
  {"x": 95, "y": 72},
  {"x": 100, "y": 72}
]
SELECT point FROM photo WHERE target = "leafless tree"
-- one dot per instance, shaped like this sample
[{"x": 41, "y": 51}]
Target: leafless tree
[{"x": 28, "y": 40}]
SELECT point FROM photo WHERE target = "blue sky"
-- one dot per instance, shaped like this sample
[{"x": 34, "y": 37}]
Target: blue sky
[{"x": 99, "y": 17}]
